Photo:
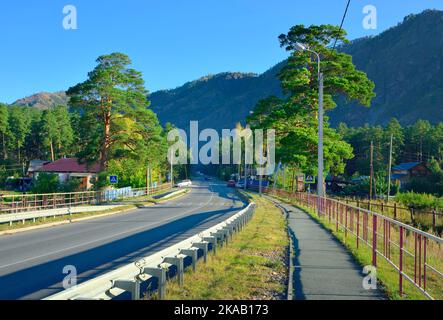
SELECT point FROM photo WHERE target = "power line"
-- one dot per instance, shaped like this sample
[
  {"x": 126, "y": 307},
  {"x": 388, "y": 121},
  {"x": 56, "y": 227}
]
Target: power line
[{"x": 342, "y": 22}]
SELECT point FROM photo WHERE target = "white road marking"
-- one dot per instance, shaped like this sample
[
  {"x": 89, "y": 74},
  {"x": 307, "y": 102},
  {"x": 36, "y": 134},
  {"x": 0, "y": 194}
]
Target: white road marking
[{"x": 104, "y": 238}]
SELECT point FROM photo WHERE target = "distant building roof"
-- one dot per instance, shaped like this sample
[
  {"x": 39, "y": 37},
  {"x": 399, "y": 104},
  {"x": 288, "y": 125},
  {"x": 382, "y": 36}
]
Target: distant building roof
[
  {"x": 69, "y": 165},
  {"x": 406, "y": 166},
  {"x": 34, "y": 165}
]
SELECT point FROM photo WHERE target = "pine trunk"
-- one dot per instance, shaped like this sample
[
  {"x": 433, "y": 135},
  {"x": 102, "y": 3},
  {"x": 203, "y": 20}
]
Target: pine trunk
[
  {"x": 105, "y": 146},
  {"x": 5, "y": 153},
  {"x": 52, "y": 151}
]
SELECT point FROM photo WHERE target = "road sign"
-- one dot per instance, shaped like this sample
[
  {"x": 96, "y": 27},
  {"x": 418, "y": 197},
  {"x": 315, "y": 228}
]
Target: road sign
[
  {"x": 310, "y": 179},
  {"x": 113, "y": 179}
]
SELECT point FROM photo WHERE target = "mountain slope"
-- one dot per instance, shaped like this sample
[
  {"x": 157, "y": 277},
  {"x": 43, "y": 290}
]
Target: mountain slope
[
  {"x": 216, "y": 101},
  {"x": 43, "y": 100},
  {"x": 406, "y": 64}
]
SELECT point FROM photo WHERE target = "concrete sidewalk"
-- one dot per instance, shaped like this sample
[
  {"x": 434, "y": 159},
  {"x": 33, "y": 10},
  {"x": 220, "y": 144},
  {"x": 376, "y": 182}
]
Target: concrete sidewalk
[{"x": 322, "y": 268}]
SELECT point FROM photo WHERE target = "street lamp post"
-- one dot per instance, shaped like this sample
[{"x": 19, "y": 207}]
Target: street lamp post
[{"x": 320, "y": 182}]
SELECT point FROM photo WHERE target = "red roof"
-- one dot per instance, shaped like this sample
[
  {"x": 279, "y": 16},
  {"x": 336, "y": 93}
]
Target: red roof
[{"x": 69, "y": 165}]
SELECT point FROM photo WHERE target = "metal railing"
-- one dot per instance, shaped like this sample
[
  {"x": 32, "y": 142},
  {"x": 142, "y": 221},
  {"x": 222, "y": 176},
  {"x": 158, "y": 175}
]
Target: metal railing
[
  {"x": 32, "y": 202},
  {"x": 415, "y": 255},
  {"x": 410, "y": 215},
  {"x": 69, "y": 211},
  {"x": 130, "y": 277}
]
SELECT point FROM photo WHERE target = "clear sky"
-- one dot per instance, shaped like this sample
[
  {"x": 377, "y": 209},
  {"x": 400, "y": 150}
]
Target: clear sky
[{"x": 170, "y": 41}]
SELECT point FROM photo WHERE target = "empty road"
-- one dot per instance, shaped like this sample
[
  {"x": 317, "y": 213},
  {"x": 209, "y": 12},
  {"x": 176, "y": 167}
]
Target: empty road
[{"x": 31, "y": 263}]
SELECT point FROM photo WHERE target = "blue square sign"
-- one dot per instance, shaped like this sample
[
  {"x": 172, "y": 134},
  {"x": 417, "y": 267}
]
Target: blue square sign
[{"x": 113, "y": 179}]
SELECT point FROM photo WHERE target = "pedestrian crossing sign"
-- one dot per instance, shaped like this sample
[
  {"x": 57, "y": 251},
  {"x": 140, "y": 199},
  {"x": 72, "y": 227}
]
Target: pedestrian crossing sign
[{"x": 113, "y": 179}]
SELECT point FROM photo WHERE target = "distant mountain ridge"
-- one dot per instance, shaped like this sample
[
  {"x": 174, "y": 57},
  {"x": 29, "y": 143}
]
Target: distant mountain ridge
[
  {"x": 43, "y": 100},
  {"x": 216, "y": 101},
  {"x": 405, "y": 62}
]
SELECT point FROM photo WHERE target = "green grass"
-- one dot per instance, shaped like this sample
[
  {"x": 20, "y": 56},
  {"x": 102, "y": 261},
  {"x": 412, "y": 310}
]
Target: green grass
[
  {"x": 387, "y": 276},
  {"x": 251, "y": 266}
]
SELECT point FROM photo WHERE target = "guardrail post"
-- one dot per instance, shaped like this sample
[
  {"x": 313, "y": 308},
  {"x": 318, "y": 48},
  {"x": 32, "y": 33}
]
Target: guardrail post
[
  {"x": 177, "y": 261},
  {"x": 222, "y": 235},
  {"x": 192, "y": 252},
  {"x": 132, "y": 286},
  {"x": 160, "y": 274},
  {"x": 203, "y": 246},
  {"x": 213, "y": 241}
]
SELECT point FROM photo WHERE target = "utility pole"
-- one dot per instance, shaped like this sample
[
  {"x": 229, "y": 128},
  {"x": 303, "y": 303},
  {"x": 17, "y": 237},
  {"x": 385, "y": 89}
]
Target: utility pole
[
  {"x": 389, "y": 169},
  {"x": 147, "y": 180},
  {"x": 371, "y": 171},
  {"x": 284, "y": 177},
  {"x": 320, "y": 182},
  {"x": 260, "y": 176},
  {"x": 245, "y": 174},
  {"x": 172, "y": 171}
]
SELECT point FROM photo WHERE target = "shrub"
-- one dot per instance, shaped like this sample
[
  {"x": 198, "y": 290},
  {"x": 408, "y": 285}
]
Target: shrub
[
  {"x": 420, "y": 200},
  {"x": 45, "y": 183},
  {"x": 101, "y": 181},
  {"x": 70, "y": 185}
]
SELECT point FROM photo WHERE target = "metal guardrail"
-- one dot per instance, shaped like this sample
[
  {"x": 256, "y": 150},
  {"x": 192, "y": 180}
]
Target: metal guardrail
[
  {"x": 31, "y": 202},
  {"x": 129, "y": 277},
  {"x": 33, "y": 215},
  {"x": 415, "y": 255}
]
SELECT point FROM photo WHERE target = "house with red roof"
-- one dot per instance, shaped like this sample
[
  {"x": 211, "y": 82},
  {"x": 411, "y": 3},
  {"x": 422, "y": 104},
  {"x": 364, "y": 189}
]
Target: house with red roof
[{"x": 71, "y": 168}]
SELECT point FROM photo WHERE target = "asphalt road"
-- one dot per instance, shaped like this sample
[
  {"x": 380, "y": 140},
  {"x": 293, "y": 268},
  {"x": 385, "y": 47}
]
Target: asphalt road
[{"x": 31, "y": 263}]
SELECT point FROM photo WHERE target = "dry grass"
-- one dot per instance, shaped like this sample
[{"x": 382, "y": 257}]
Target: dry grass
[{"x": 252, "y": 266}]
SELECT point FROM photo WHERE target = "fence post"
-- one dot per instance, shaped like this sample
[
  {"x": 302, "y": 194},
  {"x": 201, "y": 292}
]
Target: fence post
[
  {"x": 395, "y": 210},
  {"x": 374, "y": 240},
  {"x": 433, "y": 218},
  {"x": 400, "y": 267}
]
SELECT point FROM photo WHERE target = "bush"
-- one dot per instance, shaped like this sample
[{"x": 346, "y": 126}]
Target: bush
[
  {"x": 70, "y": 185},
  {"x": 45, "y": 183},
  {"x": 420, "y": 200},
  {"x": 433, "y": 184},
  {"x": 101, "y": 181}
]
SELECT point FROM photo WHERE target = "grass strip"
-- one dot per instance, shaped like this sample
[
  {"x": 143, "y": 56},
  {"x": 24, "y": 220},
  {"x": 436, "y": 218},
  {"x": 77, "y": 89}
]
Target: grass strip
[{"x": 252, "y": 266}]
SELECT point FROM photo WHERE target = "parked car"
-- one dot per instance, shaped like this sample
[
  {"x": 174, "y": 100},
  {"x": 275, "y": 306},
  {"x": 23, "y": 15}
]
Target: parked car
[
  {"x": 240, "y": 184},
  {"x": 184, "y": 183},
  {"x": 231, "y": 184}
]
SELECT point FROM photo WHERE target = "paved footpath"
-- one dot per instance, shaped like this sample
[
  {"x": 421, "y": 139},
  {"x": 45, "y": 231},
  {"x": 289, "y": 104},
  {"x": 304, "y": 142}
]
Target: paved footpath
[{"x": 322, "y": 268}]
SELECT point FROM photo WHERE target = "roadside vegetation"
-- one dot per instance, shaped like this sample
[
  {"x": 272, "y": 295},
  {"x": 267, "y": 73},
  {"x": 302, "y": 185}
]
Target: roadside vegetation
[
  {"x": 107, "y": 121},
  {"x": 253, "y": 265}
]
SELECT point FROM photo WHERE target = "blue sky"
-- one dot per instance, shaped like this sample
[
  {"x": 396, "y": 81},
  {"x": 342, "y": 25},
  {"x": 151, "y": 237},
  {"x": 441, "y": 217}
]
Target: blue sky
[{"x": 170, "y": 41}]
